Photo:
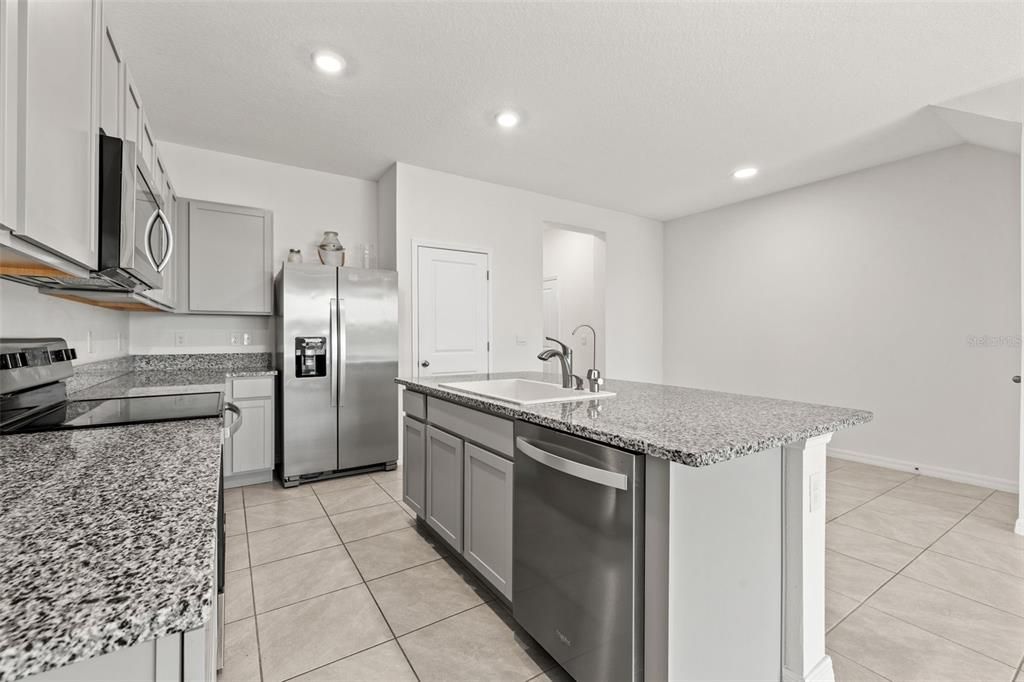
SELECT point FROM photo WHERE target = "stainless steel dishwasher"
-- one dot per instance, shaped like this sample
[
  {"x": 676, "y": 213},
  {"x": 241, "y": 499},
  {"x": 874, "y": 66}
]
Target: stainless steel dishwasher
[{"x": 578, "y": 532}]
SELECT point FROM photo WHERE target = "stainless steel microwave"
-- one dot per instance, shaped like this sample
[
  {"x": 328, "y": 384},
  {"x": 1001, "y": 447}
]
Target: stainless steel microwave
[{"x": 135, "y": 236}]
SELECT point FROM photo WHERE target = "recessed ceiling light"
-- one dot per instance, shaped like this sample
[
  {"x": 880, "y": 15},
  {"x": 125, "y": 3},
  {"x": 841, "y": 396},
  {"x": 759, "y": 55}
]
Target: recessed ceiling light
[
  {"x": 328, "y": 62},
  {"x": 744, "y": 173},
  {"x": 507, "y": 119}
]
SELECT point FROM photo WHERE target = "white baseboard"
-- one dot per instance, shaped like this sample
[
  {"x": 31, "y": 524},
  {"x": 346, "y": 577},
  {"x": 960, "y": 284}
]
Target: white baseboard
[{"x": 956, "y": 475}]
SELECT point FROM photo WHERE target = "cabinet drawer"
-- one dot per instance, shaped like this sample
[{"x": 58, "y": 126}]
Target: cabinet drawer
[
  {"x": 260, "y": 387},
  {"x": 414, "y": 404},
  {"x": 492, "y": 432}
]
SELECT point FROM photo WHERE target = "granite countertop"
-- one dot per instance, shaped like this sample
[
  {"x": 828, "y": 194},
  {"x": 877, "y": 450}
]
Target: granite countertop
[
  {"x": 153, "y": 381},
  {"x": 691, "y": 426},
  {"x": 108, "y": 539}
]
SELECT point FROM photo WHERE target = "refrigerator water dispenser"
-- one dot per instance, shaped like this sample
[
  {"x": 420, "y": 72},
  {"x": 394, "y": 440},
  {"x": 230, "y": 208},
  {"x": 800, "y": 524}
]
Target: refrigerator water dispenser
[{"x": 310, "y": 356}]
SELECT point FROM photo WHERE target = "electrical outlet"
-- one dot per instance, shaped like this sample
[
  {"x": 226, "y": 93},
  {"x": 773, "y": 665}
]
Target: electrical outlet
[
  {"x": 246, "y": 339},
  {"x": 236, "y": 338},
  {"x": 179, "y": 339}
]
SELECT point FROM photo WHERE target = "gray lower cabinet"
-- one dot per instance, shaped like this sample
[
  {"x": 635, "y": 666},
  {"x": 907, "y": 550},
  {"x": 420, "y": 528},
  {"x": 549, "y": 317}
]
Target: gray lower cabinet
[
  {"x": 228, "y": 266},
  {"x": 444, "y": 485},
  {"x": 249, "y": 453},
  {"x": 487, "y": 539},
  {"x": 414, "y": 465}
]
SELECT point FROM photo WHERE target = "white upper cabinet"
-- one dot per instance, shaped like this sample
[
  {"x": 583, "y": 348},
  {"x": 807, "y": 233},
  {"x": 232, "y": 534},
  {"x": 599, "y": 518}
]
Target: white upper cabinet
[
  {"x": 132, "y": 109},
  {"x": 8, "y": 114},
  {"x": 58, "y": 122},
  {"x": 111, "y": 86}
]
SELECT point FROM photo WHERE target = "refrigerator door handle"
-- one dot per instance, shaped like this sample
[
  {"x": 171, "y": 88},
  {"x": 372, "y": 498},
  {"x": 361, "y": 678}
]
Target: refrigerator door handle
[
  {"x": 332, "y": 352},
  {"x": 342, "y": 352}
]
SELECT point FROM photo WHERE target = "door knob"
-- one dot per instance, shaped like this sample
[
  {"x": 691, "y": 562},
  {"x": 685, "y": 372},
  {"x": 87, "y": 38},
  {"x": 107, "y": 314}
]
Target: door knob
[
  {"x": 425, "y": 363},
  {"x": 1016, "y": 379}
]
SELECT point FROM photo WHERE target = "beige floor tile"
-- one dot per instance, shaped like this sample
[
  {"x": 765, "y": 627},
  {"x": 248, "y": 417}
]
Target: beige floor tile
[
  {"x": 993, "y": 509},
  {"x": 849, "y": 492},
  {"x": 994, "y": 555},
  {"x": 264, "y": 493},
  {"x": 851, "y": 577},
  {"x": 425, "y": 594},
  {"x": 944, "y": 486},
  {"x": 999, "y": 590},
  {"x": 384, "y": 663},
  {"x": 995, "y": 633},
  {"x": 849, "y": 671},
  {"x": 917, "y": 532},
  {"x": 394, "y": 489},
  {"x": 291, "y": 580},
  {"x": 391, "y": 552},
  {"x": 353, "y": 498},
  {"x": 232, "y": 499},
  {"x": 837, "y": 506},
  {"x": 298, "y": 638},
  {"x": 282, "y": 513},
  {"x": 904, "y": 652},
  {"x": 236, "y": 552},
  {"x": 237, "y": 595},
  {"x": 934, "y": 498},
  {"x": 241, "y": 653},
  {"x": 837, "y": 606},
  {"x": 992, "y": 530},
  {"x": 888, "y": 504},
  {"x": 874, "y": 549},
  {"x": 1008, "y": 499},
  {"x": 234, "y": 522},
  {"x": 333, "y": 485},
  {"x": 479, "y": 644},
  {"x": 297, "y": 538},
  {"x": 362, "y": 523},
  {"x": 864, "y": 481}
]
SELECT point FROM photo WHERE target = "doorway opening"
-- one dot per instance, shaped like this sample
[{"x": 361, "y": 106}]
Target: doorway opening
[{"x": 574, "y": 294}]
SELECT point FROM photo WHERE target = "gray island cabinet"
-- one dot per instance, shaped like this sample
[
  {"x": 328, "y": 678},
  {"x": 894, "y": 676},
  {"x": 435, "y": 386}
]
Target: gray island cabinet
[{"x": 732, "y": 529}]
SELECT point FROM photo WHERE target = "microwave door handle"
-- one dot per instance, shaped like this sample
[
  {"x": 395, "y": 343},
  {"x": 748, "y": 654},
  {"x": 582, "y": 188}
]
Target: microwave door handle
[
  {"x": 170, "y": 240},
  {"x": 332, "y": 352},
  {"x": 148, "y": 235},
  {"x": 610, "y": 479}
]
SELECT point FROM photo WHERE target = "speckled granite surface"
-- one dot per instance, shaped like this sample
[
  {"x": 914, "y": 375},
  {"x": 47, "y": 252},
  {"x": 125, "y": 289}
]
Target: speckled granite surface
[
  {"x": 154, "y": 381},
  {"x": 239, "y": 362},
  {"x": 92, "y": 373},
  {"x": 108, "y": 539},
  {"x": 686, "y": 425}
]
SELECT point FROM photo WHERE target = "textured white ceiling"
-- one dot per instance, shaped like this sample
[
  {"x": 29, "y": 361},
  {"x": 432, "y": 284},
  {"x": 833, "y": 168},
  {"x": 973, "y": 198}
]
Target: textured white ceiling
[{"x": 645, "y": 108}]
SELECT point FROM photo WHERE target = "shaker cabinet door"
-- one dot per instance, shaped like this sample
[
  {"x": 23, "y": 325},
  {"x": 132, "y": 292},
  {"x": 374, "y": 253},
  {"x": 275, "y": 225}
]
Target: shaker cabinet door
[
  {"x": 414, "y": 465},
  {"x": 444, "y": 485},
  {"x": 252, "y": 446},
  {"x": 487, "y": 540},
  {"x": 229, "y": 259},
  {"x": 58, "y": 44},
  {"x": 111, "y": 87}
]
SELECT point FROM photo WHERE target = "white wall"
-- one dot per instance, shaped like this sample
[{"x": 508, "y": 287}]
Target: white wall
[
  {"x": 440, "y": 207},
  {"x": 24, "y": 312},
  {"x": 576, "y": 259},
  {"x": 305, "y": 204},
  {"x": 864, "y": 291}
]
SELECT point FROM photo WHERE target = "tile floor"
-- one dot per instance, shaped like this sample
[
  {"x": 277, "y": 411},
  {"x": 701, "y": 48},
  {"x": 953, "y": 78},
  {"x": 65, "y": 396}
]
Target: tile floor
[
  {"x": 333, "y": 581},
  {"x": 924, "y": 578}
]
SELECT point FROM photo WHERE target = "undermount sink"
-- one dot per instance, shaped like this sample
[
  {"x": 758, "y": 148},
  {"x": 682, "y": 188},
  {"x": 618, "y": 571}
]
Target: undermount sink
[{"x": 524, "y": 391}]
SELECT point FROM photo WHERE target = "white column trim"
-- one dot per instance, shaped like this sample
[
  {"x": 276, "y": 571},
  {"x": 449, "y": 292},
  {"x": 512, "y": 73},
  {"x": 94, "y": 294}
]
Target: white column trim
[{"x": 803, "y": 562}]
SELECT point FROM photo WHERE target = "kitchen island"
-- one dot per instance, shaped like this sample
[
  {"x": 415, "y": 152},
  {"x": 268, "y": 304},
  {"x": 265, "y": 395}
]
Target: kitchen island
[
  {"x": 733, "y": 518},
  {"x": 108, "y": 551}
]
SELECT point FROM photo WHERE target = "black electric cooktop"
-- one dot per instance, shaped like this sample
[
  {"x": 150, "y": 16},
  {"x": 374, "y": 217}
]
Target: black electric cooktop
[{"x": 84, "y": 414}]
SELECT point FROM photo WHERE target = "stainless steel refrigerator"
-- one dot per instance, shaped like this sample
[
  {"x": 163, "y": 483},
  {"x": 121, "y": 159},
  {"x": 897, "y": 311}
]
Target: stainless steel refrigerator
[{"x": 337, "y": 358}]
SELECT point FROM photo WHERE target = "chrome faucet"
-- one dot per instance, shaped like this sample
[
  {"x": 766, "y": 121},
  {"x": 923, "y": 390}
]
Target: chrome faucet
[
  {"x": 593, "y": 374},
  {"x": 564, "y": 355}
]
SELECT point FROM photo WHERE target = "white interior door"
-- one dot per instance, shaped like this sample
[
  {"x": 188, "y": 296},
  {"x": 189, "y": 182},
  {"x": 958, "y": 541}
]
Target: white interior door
[
  {"x": 551, "y": 321},
  {"x": 452, "y": 311}
]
